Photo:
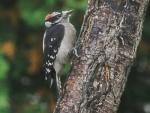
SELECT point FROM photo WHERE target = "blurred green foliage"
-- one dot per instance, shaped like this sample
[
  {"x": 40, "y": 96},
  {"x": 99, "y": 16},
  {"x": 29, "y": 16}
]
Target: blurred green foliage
[
  {"x": 33, "y": 14},
  {"x": 4, "y": 66},
  {"x": 4, "y": 98},
  {"x": 22, "y": 86},
  {"x": 4, "y": 94}
]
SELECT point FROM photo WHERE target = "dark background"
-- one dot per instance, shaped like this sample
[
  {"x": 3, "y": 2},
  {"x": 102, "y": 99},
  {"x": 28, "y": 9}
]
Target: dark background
[{"x": 22, "y": 86}]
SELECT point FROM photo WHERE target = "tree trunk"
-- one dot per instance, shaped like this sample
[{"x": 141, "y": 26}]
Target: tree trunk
[{"x": 107, "y": 46}]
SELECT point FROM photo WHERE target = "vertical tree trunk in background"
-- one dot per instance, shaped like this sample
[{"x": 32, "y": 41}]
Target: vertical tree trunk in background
[{"x": 107, "y": 44}]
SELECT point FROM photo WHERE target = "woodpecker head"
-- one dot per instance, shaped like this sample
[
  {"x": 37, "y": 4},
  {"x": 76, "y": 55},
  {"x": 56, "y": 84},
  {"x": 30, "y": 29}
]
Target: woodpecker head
[{"x": 57, "y": 17}]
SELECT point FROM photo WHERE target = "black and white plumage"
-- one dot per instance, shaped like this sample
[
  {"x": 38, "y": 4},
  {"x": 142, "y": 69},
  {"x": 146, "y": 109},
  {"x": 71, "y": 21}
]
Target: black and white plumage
[{"x": 58, "y": 42}]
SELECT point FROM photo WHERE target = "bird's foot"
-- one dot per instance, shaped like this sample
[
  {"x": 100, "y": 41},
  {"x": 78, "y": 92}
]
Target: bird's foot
[{"x": 74, "y": 52}]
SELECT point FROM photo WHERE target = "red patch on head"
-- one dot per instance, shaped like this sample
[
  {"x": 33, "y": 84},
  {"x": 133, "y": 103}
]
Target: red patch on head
[{"x": 48, "y": 16}]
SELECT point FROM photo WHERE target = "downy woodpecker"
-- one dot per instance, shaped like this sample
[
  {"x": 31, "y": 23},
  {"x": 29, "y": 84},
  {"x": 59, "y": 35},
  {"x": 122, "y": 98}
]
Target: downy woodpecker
[{"x": 58, "y": 41}]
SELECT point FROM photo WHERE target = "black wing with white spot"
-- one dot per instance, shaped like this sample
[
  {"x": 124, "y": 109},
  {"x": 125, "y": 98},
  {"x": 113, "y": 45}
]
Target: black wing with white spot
[{"x": 52, "y": 41}]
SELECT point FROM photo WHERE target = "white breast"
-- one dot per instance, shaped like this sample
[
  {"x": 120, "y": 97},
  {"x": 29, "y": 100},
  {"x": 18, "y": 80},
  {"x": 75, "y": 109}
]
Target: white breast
[{"x": 67, "y": 43}]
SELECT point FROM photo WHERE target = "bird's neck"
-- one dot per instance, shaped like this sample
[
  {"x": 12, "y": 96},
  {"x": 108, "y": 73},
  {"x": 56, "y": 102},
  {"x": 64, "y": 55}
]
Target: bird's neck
[{"x": 66, "y": 20}]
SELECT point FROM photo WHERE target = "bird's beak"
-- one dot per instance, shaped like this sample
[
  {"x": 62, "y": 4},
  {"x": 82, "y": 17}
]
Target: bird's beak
[{"x": 67, "y": 12}]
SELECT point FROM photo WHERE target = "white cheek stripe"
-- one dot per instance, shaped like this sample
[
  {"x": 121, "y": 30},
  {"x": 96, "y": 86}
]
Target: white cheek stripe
[
  {"x": 48, "y": 24},
  {"x": 58, "y": 20}
]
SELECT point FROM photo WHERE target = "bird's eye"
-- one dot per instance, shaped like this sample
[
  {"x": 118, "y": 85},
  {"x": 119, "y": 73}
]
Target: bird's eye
[
  {"x": 58, "y": 16},
  {"x": 55, "y": 18}
]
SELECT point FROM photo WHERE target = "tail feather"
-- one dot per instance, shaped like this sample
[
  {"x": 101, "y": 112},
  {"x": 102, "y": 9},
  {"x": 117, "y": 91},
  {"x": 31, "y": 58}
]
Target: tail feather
[{"x": 50, "y": 76}]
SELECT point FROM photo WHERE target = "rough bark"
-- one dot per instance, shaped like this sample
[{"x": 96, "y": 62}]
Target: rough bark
[{"x": 107, "y": 46}]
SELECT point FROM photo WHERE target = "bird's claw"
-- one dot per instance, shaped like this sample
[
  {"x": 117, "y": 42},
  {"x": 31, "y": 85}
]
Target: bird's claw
[{"x": 74, "y": 50}]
